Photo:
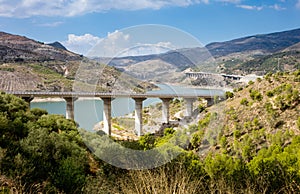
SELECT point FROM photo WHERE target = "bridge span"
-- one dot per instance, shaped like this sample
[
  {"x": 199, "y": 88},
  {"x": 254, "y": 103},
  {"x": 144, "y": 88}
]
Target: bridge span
[{"x": 71, "y": 97}]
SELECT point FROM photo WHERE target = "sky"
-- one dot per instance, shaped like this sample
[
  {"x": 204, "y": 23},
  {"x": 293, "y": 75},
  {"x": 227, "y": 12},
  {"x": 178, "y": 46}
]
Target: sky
[{"x": 80, "y": 24}]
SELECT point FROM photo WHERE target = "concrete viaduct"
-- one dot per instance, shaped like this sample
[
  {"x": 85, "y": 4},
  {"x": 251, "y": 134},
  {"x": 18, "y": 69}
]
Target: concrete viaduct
[
  {"x": 208, "y": 75},
  {"x": 71, "y": 97}
]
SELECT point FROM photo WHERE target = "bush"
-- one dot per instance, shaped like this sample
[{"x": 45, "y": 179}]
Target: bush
[
  {"x": 223, "y": 141},
  {"x": 250, "y": 82},
  {"x": 244, "y": 101},
  {"x": 237, "y": 133},
  {"x": 169, "y": 131},
  {"x": 270, "y": 94},
  {"x": 256, "y": 95},
  {"x": 259, "y": 79},
  {"x": 229, "y": 94},
  {"x": 201, "y": 108},
  {"x": 147, "y": 141},
  {"x": 197, "y": 138}
]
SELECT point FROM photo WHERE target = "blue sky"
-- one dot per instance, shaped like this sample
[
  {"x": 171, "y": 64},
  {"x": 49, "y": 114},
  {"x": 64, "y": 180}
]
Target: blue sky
[{"x": 81, "y": 23}]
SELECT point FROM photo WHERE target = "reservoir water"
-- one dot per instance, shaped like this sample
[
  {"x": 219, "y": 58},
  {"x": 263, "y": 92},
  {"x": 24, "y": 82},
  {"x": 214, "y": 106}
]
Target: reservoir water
[{"x": 88, "y": 112}]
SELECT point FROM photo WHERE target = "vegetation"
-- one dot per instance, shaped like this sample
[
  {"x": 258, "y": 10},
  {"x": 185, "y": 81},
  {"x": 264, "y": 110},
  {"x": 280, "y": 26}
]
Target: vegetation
[
  {"x": 248, "y": 148},
  {"x": 260, "y": 64}
]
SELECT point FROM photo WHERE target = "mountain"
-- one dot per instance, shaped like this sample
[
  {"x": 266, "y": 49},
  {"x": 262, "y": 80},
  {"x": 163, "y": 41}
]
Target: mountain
[
  {"x": 295, "y": 47},
  {"x": 256, "y": 54},
  {"x": 58, "y": 45},
  {"x": 29, "y": 65},
  {"x": 14, "y": 48},
  {"x": 264, "y": 43}
]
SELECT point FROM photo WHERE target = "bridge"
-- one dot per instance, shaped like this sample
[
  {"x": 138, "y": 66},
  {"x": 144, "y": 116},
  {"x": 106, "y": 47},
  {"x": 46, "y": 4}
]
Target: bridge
[
  {"x": 208, "y": 75},
  {"x": 71, "y": 97}
]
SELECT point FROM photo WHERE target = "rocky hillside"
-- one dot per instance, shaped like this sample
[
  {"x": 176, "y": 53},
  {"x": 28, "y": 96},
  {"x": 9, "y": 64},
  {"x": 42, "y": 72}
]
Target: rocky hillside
[
  {"x": 288, "y": 60},
  {"x": 14, "y": 48},
  {"x": 253, "y": 117},
  {"x": 264, "y": 43},
  {"x": 29, "y": 65}
]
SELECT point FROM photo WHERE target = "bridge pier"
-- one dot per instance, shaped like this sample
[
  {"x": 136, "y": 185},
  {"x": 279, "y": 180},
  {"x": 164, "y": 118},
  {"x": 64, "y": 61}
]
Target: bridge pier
[
  {"x": 107, "y": 115},
  {"x": 70, "y": 107},
  {"x": 138, "y": 114},
  {"x": 27, "y": 99},
  {"x": 189, "y": 106},
  {"x": 165, "y": 109}
]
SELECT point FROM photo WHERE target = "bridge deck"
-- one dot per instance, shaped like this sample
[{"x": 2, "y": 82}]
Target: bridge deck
[{"x": 110, "y": 95}]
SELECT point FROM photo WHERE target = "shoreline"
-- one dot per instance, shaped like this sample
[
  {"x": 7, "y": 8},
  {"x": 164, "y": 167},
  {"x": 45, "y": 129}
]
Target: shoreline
[
  {"x": 48, "y": 100},
  {"x": 60, "y": 99}
]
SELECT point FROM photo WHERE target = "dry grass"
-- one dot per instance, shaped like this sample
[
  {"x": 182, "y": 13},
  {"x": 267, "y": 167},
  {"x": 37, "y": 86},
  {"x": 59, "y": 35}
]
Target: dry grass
[
  {"x": 162, "y": 180},
  {"x": 15, "y": 186}
]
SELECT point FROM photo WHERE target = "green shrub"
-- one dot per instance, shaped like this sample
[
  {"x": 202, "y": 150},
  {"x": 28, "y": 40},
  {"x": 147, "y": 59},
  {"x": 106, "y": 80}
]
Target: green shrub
[
  {"x": 197, "y": 138},
  {"x": 270, "y": 94},
  {"x": 250, "y": 82},
  {"x": 229, "y": 94},
  {"x": 223, "y": 141},
  {"x": 244, "y": 101},
  {"x": 259, "y": 79},
  {"x": 256, "y": 95},
  {"x": 147, "y": 141},
  {"x": 169, "y": 131},
  {"x": 205, "y": 121},
  {"x": 237, "y": 133},
  {"x": 201, "y": 108}
]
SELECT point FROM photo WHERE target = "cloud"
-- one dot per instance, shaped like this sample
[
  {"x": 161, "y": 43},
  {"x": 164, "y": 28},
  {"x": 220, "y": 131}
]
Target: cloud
[
  {"x": 230, "y": 1},
  {"x": 116, "y": 44},
  {"x": 81, "y": 44},
  {"x": 277, "y": 7},
  {"x": 28, "y": 8},
  {"x": 110, "y": 46},
  {"x": 250, "y": 7},
  {"x": 53, "y": 24}
]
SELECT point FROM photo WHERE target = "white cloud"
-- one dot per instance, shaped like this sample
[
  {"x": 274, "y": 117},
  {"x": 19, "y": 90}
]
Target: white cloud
[
  {"x": 277, "y": 7},
  {"x": 116, "y": 44},
  {"x": 81, "y": 44},
  {"x": 250, "y": 7},
  {"x": 110, "y": 46},
  {"x": 53, "y": 24},
  {"x": 69, "y": 8},
  {"x": 27, "y": 8},
  {"x": 230, "y": 1}
]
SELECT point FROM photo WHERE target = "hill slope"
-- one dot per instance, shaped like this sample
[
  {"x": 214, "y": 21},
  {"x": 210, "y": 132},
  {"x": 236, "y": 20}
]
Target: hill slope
[
  {"x": 256, "y": 114},
  {"x": 16, "y": 48},
  {"x": 29, "y": 65},
  {"x": 265, "y": 43}
]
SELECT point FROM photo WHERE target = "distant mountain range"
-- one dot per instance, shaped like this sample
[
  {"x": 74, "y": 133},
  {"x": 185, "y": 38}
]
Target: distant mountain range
[
  {"x": 215, "y": 57},
  {"x": 264, "y": 43}
]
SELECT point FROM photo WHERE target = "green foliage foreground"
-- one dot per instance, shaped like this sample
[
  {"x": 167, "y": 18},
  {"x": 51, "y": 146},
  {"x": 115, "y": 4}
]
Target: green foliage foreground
[{"x": 45, "y": 153}]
